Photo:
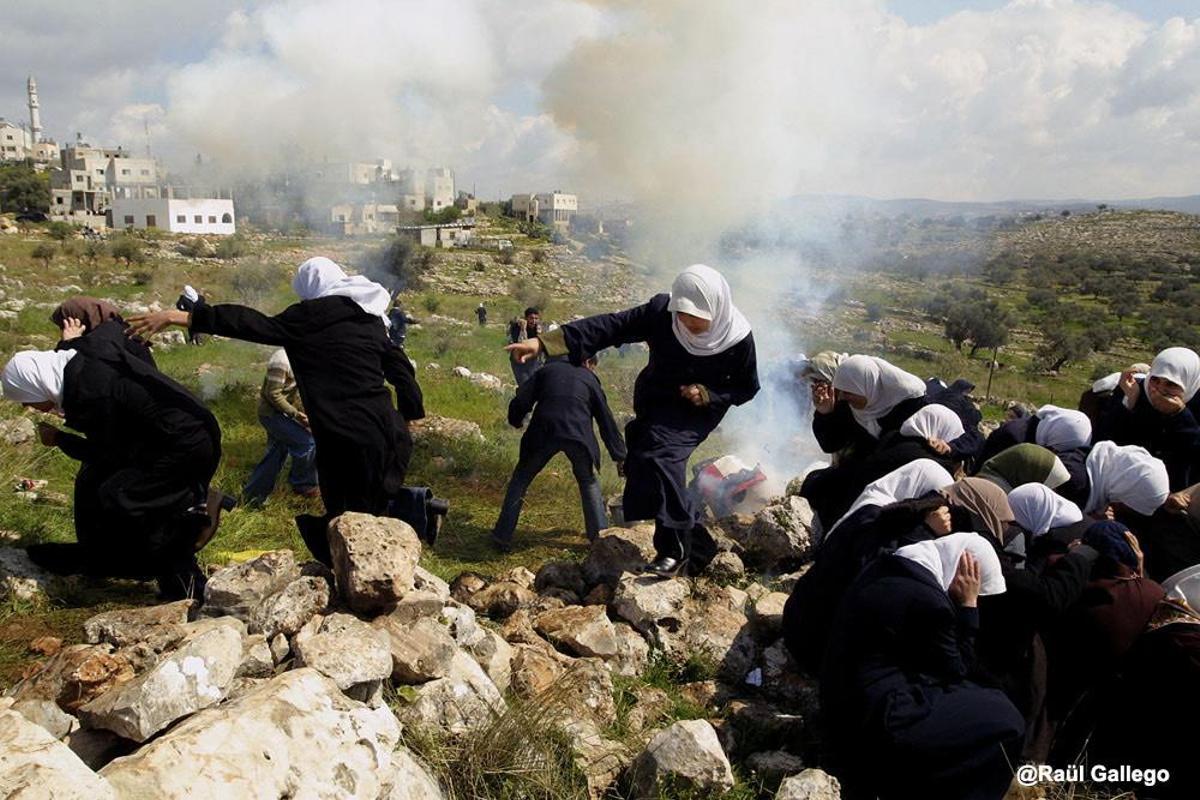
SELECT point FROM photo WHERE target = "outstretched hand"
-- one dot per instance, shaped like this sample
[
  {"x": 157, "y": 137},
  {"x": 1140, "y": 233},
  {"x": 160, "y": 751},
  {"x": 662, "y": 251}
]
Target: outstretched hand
[
  {"x": 72, "y": 329},
  {"x": 524, "y": 350},
  {"x": 150, "y": 324}
]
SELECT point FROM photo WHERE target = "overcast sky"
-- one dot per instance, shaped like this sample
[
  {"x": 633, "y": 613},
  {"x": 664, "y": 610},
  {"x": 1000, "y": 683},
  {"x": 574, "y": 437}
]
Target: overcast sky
[{"x": 642, "y": 100}]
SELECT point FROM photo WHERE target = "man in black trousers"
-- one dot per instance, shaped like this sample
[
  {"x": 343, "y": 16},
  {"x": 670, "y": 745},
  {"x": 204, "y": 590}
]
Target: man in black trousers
[{"x": 564, "y": 399}]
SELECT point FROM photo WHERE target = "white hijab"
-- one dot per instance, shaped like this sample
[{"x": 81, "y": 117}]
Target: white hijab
[
  {"x": 1062, "y": 429},
  {"x": 1185, "y": 585},
  {"x": 883, "y": 384},
  {"x": 1180, "y": 366},
  {"x": 914, "y": 479},
  {"x": 1128, "y": 475},
  {"x": 321, "y": 277},
  {"x": 941, "y": 556},
  {"x": 703, "y": 292},
  {"x": 934, "y": 421},
  {"x": 36, "y": 376},
  {"x": 1037, "y": 508}
]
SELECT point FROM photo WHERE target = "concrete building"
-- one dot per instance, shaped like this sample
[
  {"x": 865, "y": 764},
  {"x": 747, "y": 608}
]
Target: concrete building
[
  {"x": 169, "y": 212},
  {"x": 349, "y": 219},
  {"x": 15, "y": 143},
  {"x": 467, "y": 203},
  {"x": 439, "y": 188},
  {"x": 549, "y": 208},
  {"x": 90, "y": 178},
  {"x": 356, "y": 173},
  {"x": 450, "y": 234}
]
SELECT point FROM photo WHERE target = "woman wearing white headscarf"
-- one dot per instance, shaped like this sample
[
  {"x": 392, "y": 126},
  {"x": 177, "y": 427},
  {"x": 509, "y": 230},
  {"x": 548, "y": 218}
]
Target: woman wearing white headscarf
[
  {"x": 1038, "y": 509},
  {"x": 337, "y": 343},
  {"x": 147, "y": 453},
  {"x": 925, "y": 436},
  {"x": 869, "y": 397},
  {"x": 888, "y": 511},
  {"x": 1062, "y": 430},
  {"x": 1128, "y": 476},
  {"x": 1156, "y": 412},
  {"x": 900, "y": 714},
  {"x": 702, "y": 362}
]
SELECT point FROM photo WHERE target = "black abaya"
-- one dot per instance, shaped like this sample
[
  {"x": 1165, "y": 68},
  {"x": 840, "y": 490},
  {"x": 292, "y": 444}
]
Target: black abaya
[
  {"x": 901, "y": 718},
  {"x": 666, "y": 428},
  {"x": 341, "y": 356},
  {"x": 148, "y": 453}
]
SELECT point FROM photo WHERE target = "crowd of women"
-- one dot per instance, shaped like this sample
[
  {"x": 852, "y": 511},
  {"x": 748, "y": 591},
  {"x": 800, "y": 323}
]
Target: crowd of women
[
  {"x": 977, "y": 604},
  {"x": 973, "y": 603}
]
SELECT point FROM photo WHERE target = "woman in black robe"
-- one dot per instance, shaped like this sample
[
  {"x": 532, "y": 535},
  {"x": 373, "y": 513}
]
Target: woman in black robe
[
  {"x": 1153, "y": 412},
  {"x": 336, "y": 340},
  {"x": 148, "y": 451},
  {"x": 702, "y": 362},
  {"x": 901, "y": 718}
]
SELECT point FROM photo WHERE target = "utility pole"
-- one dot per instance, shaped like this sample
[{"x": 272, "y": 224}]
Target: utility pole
[{"x": 991, "y": 371}]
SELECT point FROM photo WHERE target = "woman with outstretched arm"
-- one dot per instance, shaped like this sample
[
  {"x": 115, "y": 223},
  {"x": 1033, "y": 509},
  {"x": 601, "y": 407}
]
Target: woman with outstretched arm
[
  {"x": 702, "y": 361},
  {"x": 336, "y": 339}
]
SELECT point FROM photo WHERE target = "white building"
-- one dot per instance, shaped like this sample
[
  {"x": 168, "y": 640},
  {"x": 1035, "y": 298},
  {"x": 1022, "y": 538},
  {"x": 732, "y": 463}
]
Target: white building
[
  {"x": 175, "y": 214},
  {"x": 15, "y": 142},
  {"x": 439, "y": 188},
  {"x": 549, "y": 208}
]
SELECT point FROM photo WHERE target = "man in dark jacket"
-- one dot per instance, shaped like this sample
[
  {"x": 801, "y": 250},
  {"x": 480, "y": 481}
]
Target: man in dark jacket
[{"x": 564, "y": 399}]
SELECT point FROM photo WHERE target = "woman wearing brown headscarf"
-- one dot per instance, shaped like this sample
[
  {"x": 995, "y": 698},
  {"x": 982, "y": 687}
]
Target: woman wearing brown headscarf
[{"x": 79, "y": 316}]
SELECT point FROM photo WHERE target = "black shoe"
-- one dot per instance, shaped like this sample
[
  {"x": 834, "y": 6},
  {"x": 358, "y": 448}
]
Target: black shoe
[
  {"x": 314, "y": 532},
  {"x": 188, "y": 585},
  {"x": 665, "y": 567},
  {"x": 501, "y": 545}
]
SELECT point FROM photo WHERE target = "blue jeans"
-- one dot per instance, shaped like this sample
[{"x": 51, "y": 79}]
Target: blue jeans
[
  {"x": 534, "y": 457},
  {"x": 285, "y": 437}
]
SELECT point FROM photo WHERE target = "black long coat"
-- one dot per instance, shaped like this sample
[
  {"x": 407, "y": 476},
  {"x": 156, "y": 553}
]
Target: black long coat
[
  {"x": 839, "y": 430},
  {"x": 666, "y": 428},
  {"x": 565, "y": 399},
  {"x": 1022, "y": 430},
  {"x": 148, "y": 450},
  {"x": 341, "y": 356},
  {"x": 901, "y": 717}
]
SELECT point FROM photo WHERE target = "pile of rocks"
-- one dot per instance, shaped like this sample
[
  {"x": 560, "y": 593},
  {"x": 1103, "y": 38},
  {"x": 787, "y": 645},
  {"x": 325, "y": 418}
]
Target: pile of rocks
[{"x": 275, "y": 686}]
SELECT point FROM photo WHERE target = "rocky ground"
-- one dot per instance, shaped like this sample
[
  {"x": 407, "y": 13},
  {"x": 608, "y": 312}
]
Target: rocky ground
[{"x": 294, "y": 680}]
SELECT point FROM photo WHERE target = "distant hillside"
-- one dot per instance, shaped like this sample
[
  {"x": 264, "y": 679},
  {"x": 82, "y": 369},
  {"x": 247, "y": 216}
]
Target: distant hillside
[
  {"x": 839, "y": 205},
  {"x": 1130, "y": 235}
]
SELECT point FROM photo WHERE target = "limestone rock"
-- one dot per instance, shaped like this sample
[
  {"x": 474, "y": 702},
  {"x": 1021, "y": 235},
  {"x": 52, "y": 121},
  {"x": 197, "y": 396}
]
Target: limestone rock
[
  {"x": 419, "y": 604},
  {"x": 534, "y": 670},
  {"x": 426, "y": 581},
  {"x": 600, "y": 760},
  {"x": 495, "y": 656},
  {"x": 521, "y": 577},
  {"x": 374, "y": 559},
  {"x": 345, "y": 649},
  {"x": 257, "y": 659},
  {"x": 286, "y": 611},
  {"x": 46, "y": 645},
  {"x": 633, "y": 652},
  {"x": 501, "y": 599},
  {"x": 768, "y": 614},
  {"x": 20, "y": 578},
  {"x": 295, "y": 736},
  {"x": 811, "y": 784},
  {"x": 460, "y": 620},
  {"x": 408, "y": 780},
  {"x": 77, "y": 675},
  {"x": 47, "y": 714},
  {"x": 420, "y": 652},
  {"x": 194, "y": 676},
  {"x": 160, "y": 625},
  {"x": 650, "y": 604},
  {"x": 236, "y": 591},
  {"x": 781, "y": 535},
  {"x": 518, "y": 629},
  {"x": 465, "y": 699},
  {"x": 588, "y": 686},
  {"x": 686, "y": 755},
  {"x": 725, "y": 566},
  {"x": 579, "y": 630},
  {"x": 281, "y": 648},
  {"x": 456, "y": 430},
  {"x": 466, "y": 584},
  {"x": 617, "y": 551},
  {"x": 715, "y": 625},
  {"x": 33, "y": 764},
  {"x": 18, "y": 430}
]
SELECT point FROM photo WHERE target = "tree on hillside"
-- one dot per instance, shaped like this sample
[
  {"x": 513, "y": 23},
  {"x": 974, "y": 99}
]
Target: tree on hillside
[
  {"x": 1061, "y": 346},
  {"x": 44, "y": 252},
  {"x": 23, "y": 189},
  {"x": 981, "y": 322}
]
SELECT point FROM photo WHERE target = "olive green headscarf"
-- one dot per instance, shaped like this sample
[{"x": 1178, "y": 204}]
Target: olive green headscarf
[{"x": 1022, "y": 464}]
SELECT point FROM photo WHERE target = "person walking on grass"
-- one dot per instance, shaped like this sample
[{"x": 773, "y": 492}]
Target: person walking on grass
[
  {"x": 565, "y": 399},
  {"x": 281, "y": 413}
]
